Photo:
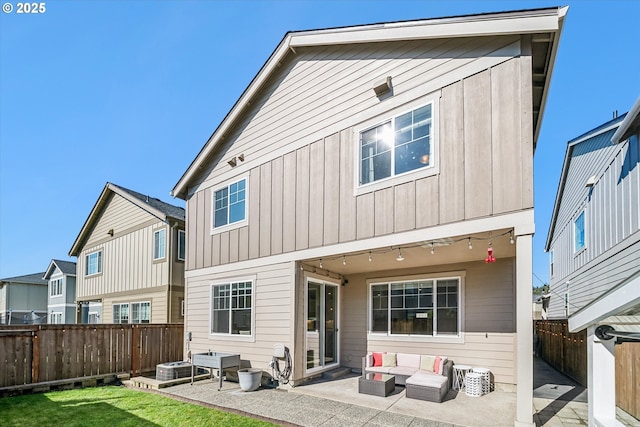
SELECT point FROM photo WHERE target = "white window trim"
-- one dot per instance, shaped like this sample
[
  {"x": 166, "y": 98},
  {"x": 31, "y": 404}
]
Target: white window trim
[
  {"x": 156, "y": 232},
  {"x": 379, "y": 336},
  {"x": 185, "y": 245},
  {"x": 432, "y": 169},
  {"x": 238, "y": 224},
  {"x": 577, "y": 251},
  {"x": 552, "y": 265},
  {"x": 57, "y": 314},
  {"x": 86, "y": 261},
  {"x": 233, "y": 337}
]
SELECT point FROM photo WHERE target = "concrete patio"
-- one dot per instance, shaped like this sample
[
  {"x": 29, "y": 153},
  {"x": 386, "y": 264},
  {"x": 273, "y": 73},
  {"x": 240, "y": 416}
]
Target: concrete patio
[{"x": 558, "y": 401}]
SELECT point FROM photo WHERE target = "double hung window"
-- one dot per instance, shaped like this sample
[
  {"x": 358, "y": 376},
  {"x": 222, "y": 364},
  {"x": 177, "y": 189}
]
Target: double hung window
[
  {"x": 159, "y": 244},
  {"x": 427, "y": 307},
  {"x": 181, "y": 244},
  {"x": 397, "y": 146},
  {"x": 229, "y": 204},
  {"x": 231, "y": 308},
  {"x": 121, "y": 313},
  {"x": 93, "y": 263},
  {"x": 56, "y": 287},
  {"x": 578, "y": 233}
]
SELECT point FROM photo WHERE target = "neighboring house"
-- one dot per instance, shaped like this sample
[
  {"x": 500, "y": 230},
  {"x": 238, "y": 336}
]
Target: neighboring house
[
  {"x": 61, "y": 276},
  {"x": 594, "y": 247},
  {"x": 23, "y": 299},
  {"x": 348, "y": 201},
  {"x": 130, "y": 265}
]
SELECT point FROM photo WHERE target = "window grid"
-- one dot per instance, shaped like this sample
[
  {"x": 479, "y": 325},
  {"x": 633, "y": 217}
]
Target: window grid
[
  {"x": 121, "y": 313},
  {"x": 230, "y": 204},
  {"x": 231, "y": 308}
]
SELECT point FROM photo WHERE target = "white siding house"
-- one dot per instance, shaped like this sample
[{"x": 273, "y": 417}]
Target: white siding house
[
  {"x": 348, "y": 201},
  {"x": 594, "y": 241}
]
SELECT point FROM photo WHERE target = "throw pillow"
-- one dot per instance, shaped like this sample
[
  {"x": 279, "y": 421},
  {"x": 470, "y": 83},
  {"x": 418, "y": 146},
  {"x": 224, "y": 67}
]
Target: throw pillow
[
  {"x": 377, "y": 359},
  {"x": 443, "y": 360},
  {"x": 427, "y": 362},
  {"x": 437, "y": 365},
  {"x": 389, "y": 360}
]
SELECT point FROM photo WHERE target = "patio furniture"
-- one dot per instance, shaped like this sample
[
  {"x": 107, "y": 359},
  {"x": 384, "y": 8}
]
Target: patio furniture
[
  {"x": 486, "y": 379},
  {"x": 427, "y": 387},
  {"x": 404, "y": 365},
  {"x": 376, "y": 384},
  {"x": 459, "y": 375},
  {"x": 215, "y": 360},
  {"x": 473, "y": 384}
]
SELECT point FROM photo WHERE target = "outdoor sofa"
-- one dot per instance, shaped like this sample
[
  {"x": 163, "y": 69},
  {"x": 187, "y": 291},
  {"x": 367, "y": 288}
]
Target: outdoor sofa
[{"x": 425, "y": 377}]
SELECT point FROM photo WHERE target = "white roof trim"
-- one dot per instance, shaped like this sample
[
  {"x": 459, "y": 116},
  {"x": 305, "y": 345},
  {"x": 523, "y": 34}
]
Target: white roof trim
[
  {"x": 619, "y": 299},
  {"x": 519, "y": 22},
  {"x": 631, "y": 116}
]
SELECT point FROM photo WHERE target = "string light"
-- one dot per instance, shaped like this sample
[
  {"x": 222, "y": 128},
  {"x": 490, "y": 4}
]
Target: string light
[
  {"x": 320, "y": 262},
  {"x": 400, "y": 257},
  {"x": 511, "y": 237},
  {"x": 433, "y": 250},
  {"x": 370, "y": 258},
  {"x": 344, "y": 260},
  {"x": 470, "y": 244}
]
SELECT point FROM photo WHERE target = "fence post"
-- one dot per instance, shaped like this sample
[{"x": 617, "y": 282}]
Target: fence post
[
  {"x": 135, "y": 347},
  {"x": 35, "y": 356}
]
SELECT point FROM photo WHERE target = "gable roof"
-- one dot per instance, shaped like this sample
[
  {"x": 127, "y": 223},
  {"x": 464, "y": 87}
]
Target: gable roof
[
  {"x": 604, "y": 133},
  {"x": 156, "y": 207},
  {"x": 544, "y": 24},
  {"x": 32, "y": 279},
  {"x": 67, "y": 267}
]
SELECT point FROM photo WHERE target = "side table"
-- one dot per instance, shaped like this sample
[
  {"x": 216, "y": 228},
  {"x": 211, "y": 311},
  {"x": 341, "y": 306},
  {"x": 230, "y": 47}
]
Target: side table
[
  {"x": 473, "y": 384},
  {"x": 486, "y": 379},
  {"x": 459, "y": 374}
]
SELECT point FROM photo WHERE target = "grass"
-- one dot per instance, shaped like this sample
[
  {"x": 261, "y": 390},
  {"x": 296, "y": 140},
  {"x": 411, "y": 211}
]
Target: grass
[{"x": 111, "y": 405}]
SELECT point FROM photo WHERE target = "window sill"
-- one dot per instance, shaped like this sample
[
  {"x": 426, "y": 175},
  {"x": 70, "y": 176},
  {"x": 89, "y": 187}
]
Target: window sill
[
  {"x": 229, "y": 337},
  {"x": 458, "y": 339},
  {"x": 229, "y": 227},
  {"x": 396, "y": 180}
]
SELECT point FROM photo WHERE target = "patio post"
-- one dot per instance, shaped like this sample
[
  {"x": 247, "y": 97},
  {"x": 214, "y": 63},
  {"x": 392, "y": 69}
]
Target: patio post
[{"x": 524, "y": 331}]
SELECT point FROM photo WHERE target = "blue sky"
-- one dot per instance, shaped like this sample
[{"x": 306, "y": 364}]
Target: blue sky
[{"x": 129, "y": 91}]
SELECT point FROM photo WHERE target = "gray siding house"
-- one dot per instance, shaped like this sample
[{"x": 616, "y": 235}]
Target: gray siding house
[
  {"x": 131, "y": 252},
  {"x": 349, "y": 200},
  {"x": 594, "y": 247},
  {"x": 61, "y": 305},
  {"x": 23, "y": 299}
]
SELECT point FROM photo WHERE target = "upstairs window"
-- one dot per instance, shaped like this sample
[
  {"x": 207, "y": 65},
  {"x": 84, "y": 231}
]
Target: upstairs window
[
  {"x": 56, "y": 287},
  {"x": 93, "y": 263},
  {"x": 400, "y": 145},
  {"x": 229, "y": 204},
  {"x": 181, "y": 244},
  {"x": 551, "y": 261},
  {"x": 578, "y": 233},
  {"x": 159, "y": 238}
]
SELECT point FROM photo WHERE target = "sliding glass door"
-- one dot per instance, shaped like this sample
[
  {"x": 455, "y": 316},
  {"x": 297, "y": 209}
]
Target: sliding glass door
[{"x": 322, "y": 324}]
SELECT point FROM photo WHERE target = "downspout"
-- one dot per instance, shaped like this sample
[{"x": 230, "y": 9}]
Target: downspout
[{"x": 170, "y": 260}]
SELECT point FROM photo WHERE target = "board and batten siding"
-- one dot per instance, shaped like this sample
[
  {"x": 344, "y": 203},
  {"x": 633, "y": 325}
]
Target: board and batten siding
[
  {"x": 488, "y": 317},
  {"x": 273, "y": 305},
  {"x": 127, "y": 264},
  {"x": 302, "y": 182},
  {"x": 612, "y": 222}
]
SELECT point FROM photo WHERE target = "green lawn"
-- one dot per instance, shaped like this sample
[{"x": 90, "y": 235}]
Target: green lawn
[{"x": 102, "y": 406}]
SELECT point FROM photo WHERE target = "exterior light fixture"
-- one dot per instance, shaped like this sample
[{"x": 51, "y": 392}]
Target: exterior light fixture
[
  {"x": 232, "y": 162},
  {"x": 383, "y": 87},
  {"x": 399, "y": 257}
]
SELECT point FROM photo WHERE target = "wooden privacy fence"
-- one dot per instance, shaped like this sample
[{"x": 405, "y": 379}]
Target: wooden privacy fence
[
  {"x": 565, "y": 351},
  {"x": 39, "y": 353},
  {"x": 628, "y": 377}
]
